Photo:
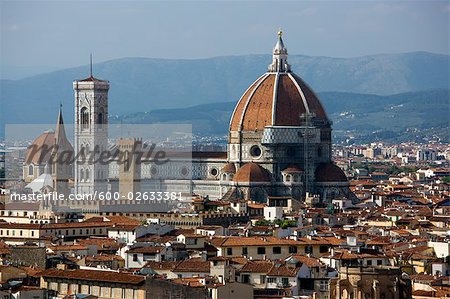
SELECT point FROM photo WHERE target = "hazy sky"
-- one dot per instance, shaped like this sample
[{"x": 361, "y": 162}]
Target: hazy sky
[{"x": 63, "y": 33}]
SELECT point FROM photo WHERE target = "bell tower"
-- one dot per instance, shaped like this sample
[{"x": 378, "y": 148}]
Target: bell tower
[{"x": 91, "y": 134}]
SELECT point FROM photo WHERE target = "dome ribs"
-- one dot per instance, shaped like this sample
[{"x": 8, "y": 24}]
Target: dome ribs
[
  {"x": 313, "y": 101},
  {"x": 241, "y": 105},
  {"x": 260, "y": 106},
  {"x": 289, "y": 103}
]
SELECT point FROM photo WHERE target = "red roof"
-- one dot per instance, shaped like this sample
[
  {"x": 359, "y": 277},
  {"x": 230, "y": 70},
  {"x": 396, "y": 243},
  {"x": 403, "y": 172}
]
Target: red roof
[
  {"x": 252, "y": 172},
  {"x": 293, "y": 97},
  {"x": 93, "y": 275},
  {"x": 292, "y": 169},
  {"x": 229, "y": 168},
  {"x": 39, "y": 152},
  {"x": 329, "y": 172}
]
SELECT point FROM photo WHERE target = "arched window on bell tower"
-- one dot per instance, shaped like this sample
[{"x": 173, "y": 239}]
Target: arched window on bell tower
[
  {"x": 100, "y": 117},
  {"x": 84, "y": 118}
]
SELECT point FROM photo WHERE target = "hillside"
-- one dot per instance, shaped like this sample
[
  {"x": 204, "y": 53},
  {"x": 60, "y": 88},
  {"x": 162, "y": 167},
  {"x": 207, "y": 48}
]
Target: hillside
[
  {"x": 146, "y": 84},
  {"x": 365, "y": 117}
]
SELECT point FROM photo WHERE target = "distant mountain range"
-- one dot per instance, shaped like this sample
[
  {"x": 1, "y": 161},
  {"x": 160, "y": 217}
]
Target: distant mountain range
[
  {"x": 365, "y": 117},
  {"x": 149, "y": 85}
]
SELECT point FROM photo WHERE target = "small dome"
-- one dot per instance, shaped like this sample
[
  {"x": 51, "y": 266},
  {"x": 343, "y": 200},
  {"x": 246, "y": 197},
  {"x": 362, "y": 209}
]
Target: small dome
[
  {"x": 229, "y": 168},
  {"x": 252, "y": 172},
  {"x": 39, "y": 152},
  {"x": 292, "y": 169},
  {"x": 329, "y": 172}
]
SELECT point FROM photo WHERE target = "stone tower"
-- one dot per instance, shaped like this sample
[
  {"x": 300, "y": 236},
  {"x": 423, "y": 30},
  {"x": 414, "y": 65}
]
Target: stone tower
[
  {"x": 129, "y": 166},
  {"x": 91, "y": 135}
]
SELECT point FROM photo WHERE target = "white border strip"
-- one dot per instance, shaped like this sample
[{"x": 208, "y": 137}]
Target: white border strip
[{"x": 305, "y": 103}]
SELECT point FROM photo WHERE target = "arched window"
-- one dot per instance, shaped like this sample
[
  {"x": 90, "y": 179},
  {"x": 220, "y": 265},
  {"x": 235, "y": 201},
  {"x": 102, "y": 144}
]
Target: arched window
[
  {"x": 84, "y": 114},
  {"x": 30, "y": 170},
  {"x": 100, "y": 118},
  {"x": 82, "y": 151}
]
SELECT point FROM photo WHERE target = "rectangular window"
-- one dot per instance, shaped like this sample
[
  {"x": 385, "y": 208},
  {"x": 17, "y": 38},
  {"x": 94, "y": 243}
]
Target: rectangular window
[
  {"x": 229, "y": 251},
  {"x": 308, "y": 249},
  {"x": 149, "y": 257},
  {"x": 323, "y": 249},
  {"x": 285, "y": 281},
  {"x": 244, "y": 250},
  {"x": 292, "y": 249},
  {"x": 323, "y": 285},
  {"x": 245, "y": 278},
  {"x": 135, "y": 257},
  {"x": 277, "y": 250},
  {"x": 262, "y": 278},
  {"x": 261, "y": 250},
  {"x": 369, "y": 263},
  {"x": 271, "y": 280},
  {"x": 379, "y": 262}
]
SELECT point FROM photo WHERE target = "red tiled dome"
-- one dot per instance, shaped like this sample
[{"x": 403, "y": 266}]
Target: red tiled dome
[
  {"x": 252, "y": 172},
  {"x": 292, "y": 169},
  {"x": 329, "y": 172},
  {"x": 275, "y": 99},
  {"x": 39, "y": 152},
  {"x": 229, "y": 168}
]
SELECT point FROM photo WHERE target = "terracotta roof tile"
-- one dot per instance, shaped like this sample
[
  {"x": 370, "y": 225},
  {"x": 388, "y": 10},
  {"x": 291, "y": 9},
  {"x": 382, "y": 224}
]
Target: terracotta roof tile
[
  {"x": 93, "y": 275},
  {"x": 252, "y": 172},
  {"x": 195, "y": 265},
  {"x": 257, "y": 266},
  {"x": 328, "y": 172}
]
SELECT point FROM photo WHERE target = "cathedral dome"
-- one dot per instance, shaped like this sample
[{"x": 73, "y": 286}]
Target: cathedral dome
[
  {"x": 229, "y": 168},
  {"x": 329, "y": 172},
  {"x": 292, "y": 169},
  {"x": 39, "y": 152},
  {"x": 252, "y": 172},
  {"x": 277, "y": 98}
]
